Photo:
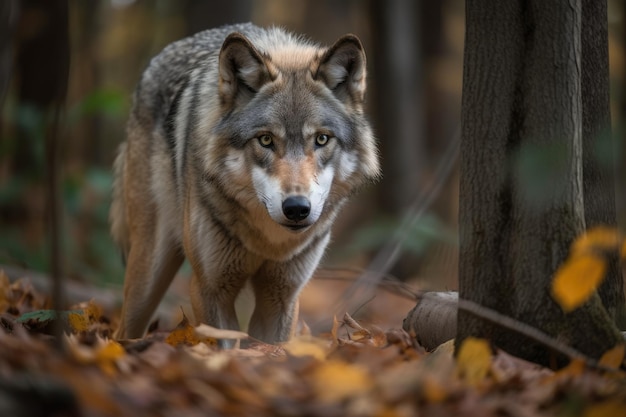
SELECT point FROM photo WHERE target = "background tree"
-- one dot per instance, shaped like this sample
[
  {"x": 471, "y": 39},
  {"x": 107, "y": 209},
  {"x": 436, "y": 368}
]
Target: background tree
[{"x": 535, "y": 102}]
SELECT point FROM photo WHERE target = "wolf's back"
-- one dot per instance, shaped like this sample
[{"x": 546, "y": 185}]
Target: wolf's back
[
  {"x": 158, "y": 108},
  {"x": 191, "y": 59}
]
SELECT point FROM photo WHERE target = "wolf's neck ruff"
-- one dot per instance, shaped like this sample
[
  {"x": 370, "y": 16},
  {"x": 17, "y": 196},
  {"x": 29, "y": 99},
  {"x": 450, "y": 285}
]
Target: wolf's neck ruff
[{"x": 243, "y": 144}]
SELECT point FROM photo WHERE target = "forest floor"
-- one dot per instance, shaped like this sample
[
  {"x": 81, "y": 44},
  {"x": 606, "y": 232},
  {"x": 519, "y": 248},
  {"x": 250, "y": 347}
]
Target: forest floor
[{"x": 349, "y": 368}]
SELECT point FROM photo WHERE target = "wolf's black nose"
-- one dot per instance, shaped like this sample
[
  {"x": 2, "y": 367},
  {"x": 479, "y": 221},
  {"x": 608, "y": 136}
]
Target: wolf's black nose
[{"x": 296, "y": 208}]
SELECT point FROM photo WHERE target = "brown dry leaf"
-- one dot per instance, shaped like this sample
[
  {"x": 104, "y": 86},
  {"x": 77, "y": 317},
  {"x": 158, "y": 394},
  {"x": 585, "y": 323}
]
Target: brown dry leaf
[
  {"x": 92, "y": 310},
  {"x": 334, "y": 330},
  {"x": 372, "y": 337},
  {"x": 614, "y": 357},
  {"x": 336, "y": 381},
  {"x": 5, "y": 291},
  {"x": 93, "y": 391},
  {"x": 474, "y": 360},
  {"x": 623, "y": 251},
  {"x": 104, "y": 353},
  {"x": 183, "y": 334},
  {"x": 573, "y": 370},
  {"x": 353, "y": 324},
  {"x": 577, "y": 279},
  {"x": 307, "y": 346},
  {"x": 19, "y": 297}
]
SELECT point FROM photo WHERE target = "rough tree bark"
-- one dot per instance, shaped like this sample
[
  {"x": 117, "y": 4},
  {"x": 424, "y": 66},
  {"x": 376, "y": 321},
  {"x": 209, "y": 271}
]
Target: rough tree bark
[
  {"x": 598, "y": 148},
  {"x": 524, "y": 120}
]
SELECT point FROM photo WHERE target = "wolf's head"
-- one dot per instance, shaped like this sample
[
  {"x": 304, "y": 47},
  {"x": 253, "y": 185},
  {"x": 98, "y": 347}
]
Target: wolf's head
[{"x": 293, "y": 116}]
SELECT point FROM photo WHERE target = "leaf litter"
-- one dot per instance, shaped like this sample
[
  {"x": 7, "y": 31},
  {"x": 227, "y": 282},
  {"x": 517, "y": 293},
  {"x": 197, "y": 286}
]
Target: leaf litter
[{"x": 356, "y": 369}]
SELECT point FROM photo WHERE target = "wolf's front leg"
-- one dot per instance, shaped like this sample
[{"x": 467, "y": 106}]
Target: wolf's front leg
[
  {"x": 276, "y": 288},
  {"x": 274, "y": 313},
  {"x": 213, "y": 301},
  {"x": 220, "y": 270}
]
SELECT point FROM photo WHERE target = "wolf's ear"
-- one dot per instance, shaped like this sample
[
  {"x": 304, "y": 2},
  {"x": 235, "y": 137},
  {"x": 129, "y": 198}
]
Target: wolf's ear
[
  {"x": 342, "y": 69},
  {"x": 242, "y": 70}
]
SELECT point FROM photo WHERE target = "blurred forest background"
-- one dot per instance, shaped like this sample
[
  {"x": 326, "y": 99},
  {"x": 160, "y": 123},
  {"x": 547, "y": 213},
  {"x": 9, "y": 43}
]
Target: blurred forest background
[{"x": 415, "y": 58}]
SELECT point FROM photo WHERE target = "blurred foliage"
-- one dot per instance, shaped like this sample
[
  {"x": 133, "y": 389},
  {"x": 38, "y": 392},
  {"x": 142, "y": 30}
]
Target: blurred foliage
[
  {"x": 86, "y": 195},
  {"x": 110, "y": 103},
  {"x": 415, "y": 239}
]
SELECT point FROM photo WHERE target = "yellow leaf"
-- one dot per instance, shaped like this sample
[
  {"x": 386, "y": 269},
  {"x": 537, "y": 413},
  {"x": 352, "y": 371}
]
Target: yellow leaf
[
  {"x": 104, "y": 353},
  {"x": 88, "y": 314},
  {"x": 335, "y": 381},
  {"x": 474, "y": 360},
  {"x": 78, "y": 321},
  {"x": 110, "y": 351},
  {"x": 307, "y": 346},
  {"x": 577, "y": 279},
  {"x": 183, "y": 334},
  {"x": 93, "y": 311},
  {"x": 598, "y": 238},
  {"x": 107, "y": 355},
  {"x": 613, "y": 357}
]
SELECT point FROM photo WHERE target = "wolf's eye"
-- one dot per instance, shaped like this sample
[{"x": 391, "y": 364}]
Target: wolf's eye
[
  {"x": 322, "y": 139},
  {"x": 266, "y": 141}
]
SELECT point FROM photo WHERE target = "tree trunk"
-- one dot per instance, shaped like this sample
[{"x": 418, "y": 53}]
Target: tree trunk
[
  {"x": 598, "y": 147},
  {"x": 521, "y": 188},
  {"x": 397, "y": 102},
  {"x": 8, "y": 20}
]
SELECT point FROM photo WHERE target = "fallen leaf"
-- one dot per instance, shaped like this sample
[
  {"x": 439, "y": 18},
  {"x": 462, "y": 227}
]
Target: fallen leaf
[
  {"x": 600, "y": 238},
  {"x": 183, "y": 334},
  {"x": 5, "y": 291},
  {"x": 42, "y": 321},
  {"x": 577, "y": 279},
  {"x": 40, "y": 316},
  {"x": 474, "y": 360},
  {"x": 614, "y": 357},
  {"x": 307, "y": 346},
  {"x": 573, "y": 370},
  {"x": 103, "y": 353},
  {"x": 91, "y": 319},
  {"x": 208, "y": 332},
  {"x": 107, "y": 355},
  {"x": 78, "y": 321},
  {"x": 353, "y": 324},
  {"x": 336, "y": 381},
  {"x": 335, "y": 328},
  {"x": 446, "y": 348}
]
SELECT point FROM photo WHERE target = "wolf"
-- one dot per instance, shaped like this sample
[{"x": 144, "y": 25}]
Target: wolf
[{"x": 243, "y": 143}]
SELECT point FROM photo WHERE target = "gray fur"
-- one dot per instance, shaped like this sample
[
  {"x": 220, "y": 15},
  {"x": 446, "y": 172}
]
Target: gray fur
[{"x": 194, "y": 180}]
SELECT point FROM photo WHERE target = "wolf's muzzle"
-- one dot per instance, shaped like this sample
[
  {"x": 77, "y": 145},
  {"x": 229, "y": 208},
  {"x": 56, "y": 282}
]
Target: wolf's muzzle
[{"x": 296, "y": 208}]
